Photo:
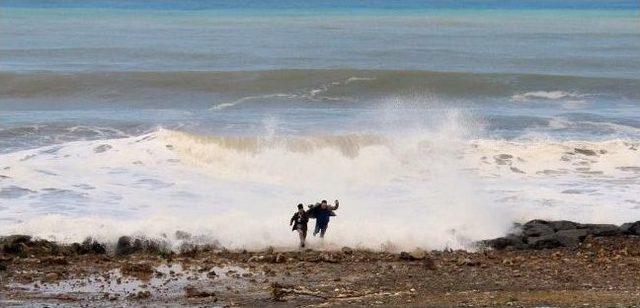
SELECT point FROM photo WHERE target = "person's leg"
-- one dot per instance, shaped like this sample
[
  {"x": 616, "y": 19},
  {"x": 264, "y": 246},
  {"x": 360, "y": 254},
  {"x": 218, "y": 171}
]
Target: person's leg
[
  {"x": 323, "y": 230},
  {"x": 301, "y": 234},
  {"x": 317, "y": 228},
  {"x": 303, "y": 237}
]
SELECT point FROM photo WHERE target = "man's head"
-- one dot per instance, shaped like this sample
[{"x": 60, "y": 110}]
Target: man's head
[
  {"x": 323, "y": 204},
  {"x": 300, "y": 206}
]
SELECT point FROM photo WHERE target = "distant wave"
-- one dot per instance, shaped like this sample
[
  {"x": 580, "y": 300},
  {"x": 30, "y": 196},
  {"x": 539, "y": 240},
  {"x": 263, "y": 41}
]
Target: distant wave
[
  {"x": 225, "y": 89},
  {"x": 546, "y": 95}
]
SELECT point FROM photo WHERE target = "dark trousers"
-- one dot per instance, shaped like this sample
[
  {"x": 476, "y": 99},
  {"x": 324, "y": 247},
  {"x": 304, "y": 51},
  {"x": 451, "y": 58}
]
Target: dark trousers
[{"x": 321, "y": 227}]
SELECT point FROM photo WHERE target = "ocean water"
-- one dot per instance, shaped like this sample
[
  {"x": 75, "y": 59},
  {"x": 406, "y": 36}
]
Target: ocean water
[{"x": 435, "y": 123}]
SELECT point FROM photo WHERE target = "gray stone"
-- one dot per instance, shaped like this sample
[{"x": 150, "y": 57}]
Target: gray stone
[
  {"x": 602, "y": 229},
  {"x": 418, "y": 254},
  {"x": 89, "y": 245},
  {"x": 536, "y": 228},
  {"x": 632, "y": 228},
  {"x": 14, "y": 244},
  {"x": 563, "y": 225},
  {"x": 126, "y": 246},
  {"x": 544, "y": 242},
  {"x": 510, "y": 241},
  {"x": 571, "y": 238}
]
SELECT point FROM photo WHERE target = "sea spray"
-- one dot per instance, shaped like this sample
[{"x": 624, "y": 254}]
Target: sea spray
[{"x": 407, "y": 187}]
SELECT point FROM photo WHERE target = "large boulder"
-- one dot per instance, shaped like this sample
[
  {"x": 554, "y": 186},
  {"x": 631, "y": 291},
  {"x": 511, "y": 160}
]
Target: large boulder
[
  {"x": 571, "y": 238},
  {"x": 544, "y": 242},
  {"x": 416, "y": 254},
  {"x": 14, "y": 244},
  {"x": 562, "y": 238},
  {"x": 536, "y": 228},
  {"x": 89, "y": 245},
  {"x": 127, "y": 245},
  {"x": 632, "y": 228},
  {"x": 560, "y": 225},
  {"x": 510, "y": 241},
  {"x": 602, "y": 229}
]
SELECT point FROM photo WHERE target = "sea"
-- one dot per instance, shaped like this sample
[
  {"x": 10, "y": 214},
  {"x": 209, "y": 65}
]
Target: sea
[{"x": 434, "y": 123}]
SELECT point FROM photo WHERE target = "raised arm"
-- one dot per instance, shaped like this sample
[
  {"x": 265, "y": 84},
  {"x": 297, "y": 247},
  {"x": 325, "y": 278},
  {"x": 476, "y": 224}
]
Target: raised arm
[{"x": 335, "y": 207}]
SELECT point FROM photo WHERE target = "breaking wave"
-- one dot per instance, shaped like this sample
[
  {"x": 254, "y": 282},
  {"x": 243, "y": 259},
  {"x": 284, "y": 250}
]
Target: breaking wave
[{"x": 431, "y": 189}]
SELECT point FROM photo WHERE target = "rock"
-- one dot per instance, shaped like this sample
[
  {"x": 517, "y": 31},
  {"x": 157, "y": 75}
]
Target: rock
[
  {"x": 126, "y": 246},
  {"x": 15, "y": 239},
  {"x": 544, "y": 242},
  {"x": 562, "y": 238},
  {"x": 632, "y": 228},
  {"x": 347, "y": 250},
  {"x": 270, "y": 258},
  {"x": 418, "y": 254},
  {"x": 602, "y": 229},
  {"x": 563, "y": 225},
  {"x": 89, "y": 245},
  {"x": 571, "y": 238},
  {"x": 510, "y": 241},
  {"x": 536, "y": 228},
  {"x": 14, "y": 244},
  {"x": 280, "y": 258}
]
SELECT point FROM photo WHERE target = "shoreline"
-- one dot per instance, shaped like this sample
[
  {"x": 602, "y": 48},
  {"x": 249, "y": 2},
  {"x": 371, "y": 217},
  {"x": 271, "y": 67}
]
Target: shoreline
[{"x": 539, "y": 264}]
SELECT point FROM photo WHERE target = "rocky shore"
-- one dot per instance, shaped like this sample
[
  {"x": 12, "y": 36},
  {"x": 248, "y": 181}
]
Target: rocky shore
[{"x": 541, "y": 263}]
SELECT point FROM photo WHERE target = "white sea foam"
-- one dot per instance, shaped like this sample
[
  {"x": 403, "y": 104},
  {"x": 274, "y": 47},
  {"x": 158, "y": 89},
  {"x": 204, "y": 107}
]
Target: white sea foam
[
  {"x": 429, "y": 188},
  {"x": 548, "y": 95}
]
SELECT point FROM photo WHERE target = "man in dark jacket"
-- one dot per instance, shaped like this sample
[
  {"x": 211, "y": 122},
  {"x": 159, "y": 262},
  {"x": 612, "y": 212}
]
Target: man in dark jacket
[
  {"x": 299, "y": 222},
  {"x": 322, "y": 213}
]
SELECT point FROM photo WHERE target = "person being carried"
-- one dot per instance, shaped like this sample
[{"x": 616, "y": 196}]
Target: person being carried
[
  {"x": 299, "y": 222},
  {"x": 323, "y": 213}
]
